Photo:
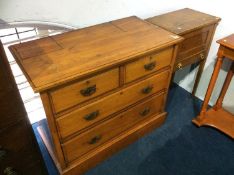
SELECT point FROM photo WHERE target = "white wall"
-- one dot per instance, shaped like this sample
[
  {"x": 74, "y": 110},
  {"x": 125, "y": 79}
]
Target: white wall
[{"x": 81, "y": 13}]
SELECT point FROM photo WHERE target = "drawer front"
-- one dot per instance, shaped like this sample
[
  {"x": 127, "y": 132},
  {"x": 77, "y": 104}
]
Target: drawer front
[
  {"x": 148, "y": 64},
  {"x": 81, "y": 91},
  {"x": 87, "y": 115},
  {"x": 111, "y": 128},
  {"x": 188, "y": 61},
  {"x": 194, "y": 43}
]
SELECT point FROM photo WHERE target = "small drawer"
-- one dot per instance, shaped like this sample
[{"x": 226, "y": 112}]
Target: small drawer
[
  {"x": 188, "y": 61},
  {"x": 100, "y": 134},
  {"x": 195, "y": 42},
  {"x": 81, "y": 91},
  {"x": 89, "y": 114},
  {"x": 148, "y": 64}
]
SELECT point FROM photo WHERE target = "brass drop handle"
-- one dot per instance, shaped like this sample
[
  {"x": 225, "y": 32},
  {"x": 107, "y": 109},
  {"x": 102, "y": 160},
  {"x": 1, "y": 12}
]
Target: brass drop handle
[
  {"x": 91, "y": 116},
  {"x": 3, "y": 153},
  {"x": 88, "y": 91},
  {"x": 202, "y": 56},
  {"x": 145, "y": 112},
  {"x": 147, "y": 89},
  {"x": 95, "y": 139},
  {"x": 150, "y": 66},
  {"x": 179, "y": 66},
  {"x": 10, "y": 171}
]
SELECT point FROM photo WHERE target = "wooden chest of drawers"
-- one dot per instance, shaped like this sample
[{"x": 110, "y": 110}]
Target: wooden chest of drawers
[
  {"x": 197, "y": 29},
  {"x": 19, "y": 153},
  {"x": 102, "y": 87}
]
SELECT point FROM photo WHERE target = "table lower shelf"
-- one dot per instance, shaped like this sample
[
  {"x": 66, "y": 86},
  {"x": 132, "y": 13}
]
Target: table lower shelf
[{"x": 220, "y": 119}]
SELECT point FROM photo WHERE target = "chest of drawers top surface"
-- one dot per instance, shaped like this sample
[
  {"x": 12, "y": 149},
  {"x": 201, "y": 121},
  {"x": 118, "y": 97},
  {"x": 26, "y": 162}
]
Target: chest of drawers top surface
[
  {"x": 183, "y": 21},
  {"x": 54, "y": 60}
]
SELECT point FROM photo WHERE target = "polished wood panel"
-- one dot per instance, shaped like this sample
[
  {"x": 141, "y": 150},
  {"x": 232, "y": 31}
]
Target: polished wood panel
[
  {"x": 148, "y": 64},
  {"x": 217, "y": 117},
  {"x": 198, "y": 30},
  {"x": 75, "y": 93},
  {"x": 11, "y": 106},
  {"x": 60, "y": 66},
  {"x": 94, "y": 112},
  {"x": 19, "y": 152},
  {"x": 111, "y": 128}
]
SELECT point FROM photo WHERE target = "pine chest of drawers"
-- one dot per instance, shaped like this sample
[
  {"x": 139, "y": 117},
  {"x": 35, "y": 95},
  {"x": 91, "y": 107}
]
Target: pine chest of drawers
[{"x": 102, "y": 87}]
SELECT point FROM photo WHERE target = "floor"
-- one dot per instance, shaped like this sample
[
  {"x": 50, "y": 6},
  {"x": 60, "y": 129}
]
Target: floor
[{"x": 176, "y": 148}]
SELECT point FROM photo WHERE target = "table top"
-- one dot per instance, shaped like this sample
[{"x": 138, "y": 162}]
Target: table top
[
  {"x": 227, "y": 41},
  {"x": 54, "y": 60},
  {"x": 183, "y": 21}
]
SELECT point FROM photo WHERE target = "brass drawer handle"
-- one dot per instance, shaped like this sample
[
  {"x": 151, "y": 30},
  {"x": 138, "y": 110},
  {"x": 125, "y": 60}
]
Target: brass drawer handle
[
  {"x": 88, "y": 91},
  {"x": 95, "y": 139},
  {"x": 147, "y": 89},
  {"x": 3, "y": 153},
  {"x": 150, "y": 66},
  {"x": 202, "y": 56},
  {"x": 145, "y": 112},
  {"x": 91, "y": 116},
  {"x": 179, "y": 66},
  {"x": 10, "y": 171}
]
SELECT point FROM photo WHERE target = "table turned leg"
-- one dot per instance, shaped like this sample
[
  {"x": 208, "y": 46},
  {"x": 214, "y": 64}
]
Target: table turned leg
[
  {"x": 198, "y": 77},
  {"x": 227, "y": 82},
  {"x": 210, "y": 87}
]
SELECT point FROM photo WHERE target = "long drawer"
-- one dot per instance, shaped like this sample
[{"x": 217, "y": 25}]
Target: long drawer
[
  {"x": 189, "y": 60},
  {"x": 111, "y": 128},
  {"x": 148, "y": 64},
  {"x": 80, "y": 91},
  {"x": 89, "y": 114}
]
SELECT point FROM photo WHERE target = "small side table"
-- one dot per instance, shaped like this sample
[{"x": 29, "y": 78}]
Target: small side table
[
  {"x": 197, "y": 29},
  {"x": 217, "y": 117}
]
